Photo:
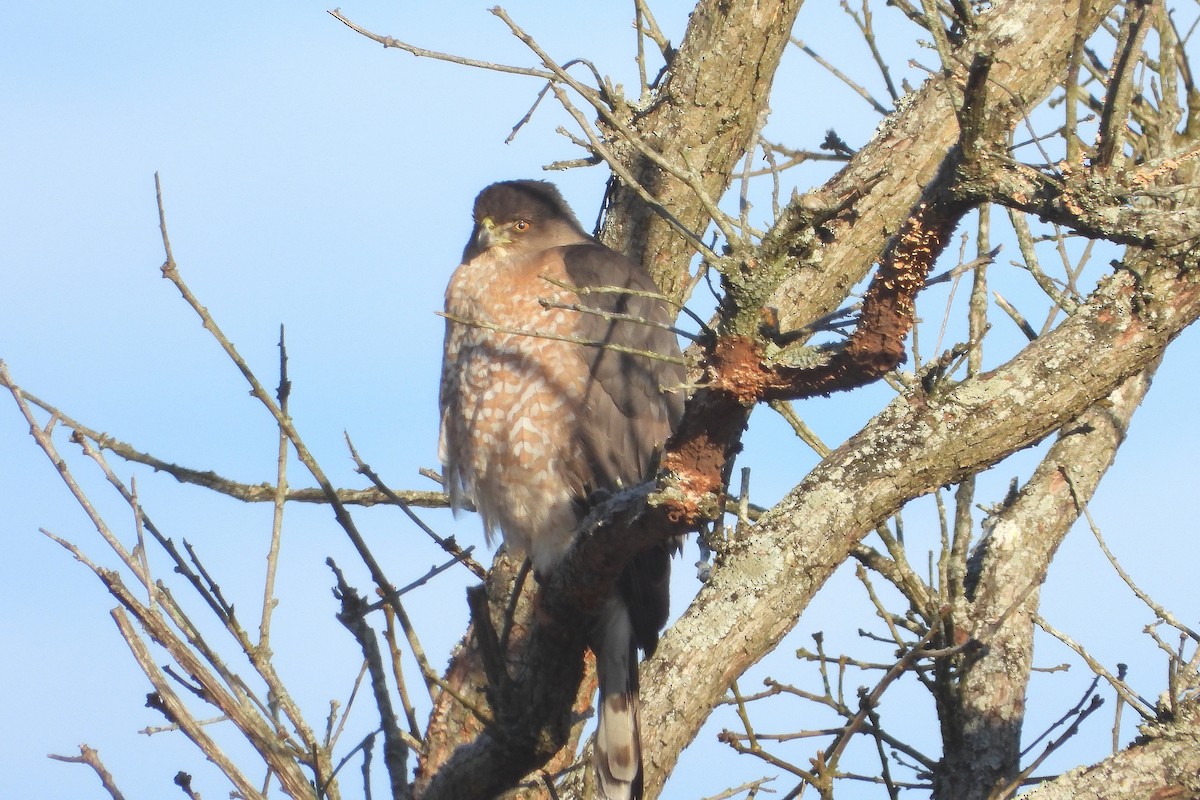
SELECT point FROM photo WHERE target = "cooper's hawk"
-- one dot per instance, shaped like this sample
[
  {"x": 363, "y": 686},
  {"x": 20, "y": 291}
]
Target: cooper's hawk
[{"x": 534, "y": 422}]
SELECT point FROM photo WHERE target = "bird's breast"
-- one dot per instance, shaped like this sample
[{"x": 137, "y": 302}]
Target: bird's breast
[{"x": 512, "y": 399}]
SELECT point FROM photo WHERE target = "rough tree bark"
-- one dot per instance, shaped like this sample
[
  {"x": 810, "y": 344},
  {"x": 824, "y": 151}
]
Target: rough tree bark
[
  {"x": 982, "y": 712},
  {"x": 1165, "y": 765},
  {"x": 513, "y": 701},
  {"x": 766, "y": 576},
  {"x": 711, "y": 104}
]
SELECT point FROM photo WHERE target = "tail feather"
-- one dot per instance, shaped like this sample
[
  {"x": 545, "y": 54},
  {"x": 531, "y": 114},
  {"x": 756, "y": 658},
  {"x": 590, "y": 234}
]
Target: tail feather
[
  {"x": 630, "y": 620},
  {"x": 618, "y": 750}
]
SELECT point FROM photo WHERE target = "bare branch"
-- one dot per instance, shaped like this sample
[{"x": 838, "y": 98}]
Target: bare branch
[
  {"x": 1134, "y": 27},
  {"x": 1144, "y": 709},
  {"x": 449, "y": 545},
  {"x": 1160, "y": 611},
  {"x": 250, "y": 493},
  {"x": 859, "y": 90},
  {"x": 388, "y": 41},
  {"x": 269, "y": 601},
  {"x": 171, "y": 272},
  {"x": 353, "y": 617},
  {"x": 90, "y": 757}
]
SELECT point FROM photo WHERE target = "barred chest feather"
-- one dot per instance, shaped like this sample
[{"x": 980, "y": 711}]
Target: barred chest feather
[{"x": 512, "y": 404}]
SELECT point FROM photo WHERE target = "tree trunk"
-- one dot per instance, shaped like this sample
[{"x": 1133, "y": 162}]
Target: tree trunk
[{"x": 982, "y": 712}]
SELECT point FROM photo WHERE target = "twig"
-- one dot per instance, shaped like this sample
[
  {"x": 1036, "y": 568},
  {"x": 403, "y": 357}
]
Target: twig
[
  {"x": 184, "y": 782},
  {"x": 523, "y": 121},
  {"x": 171, "y": 272},
  {"x": 1032, "y": 264},
  {"x": 395, "y": 750},
  {"x": 428, "y": 674},
  {"x": 389, "y": 635},
  {"x": 140, "y": 550},
  {"x": 250, "y": 493},
  {"x": 874, "y": 729},
  {"x": 176, "y": 614},
  {"x": 596, "y": 100},
  {"x": 1119, "y": 94},
  {"x": 937, "y": 347},
  {"x": 283, "y": 393},
  {"x": 334, "y": 732},
  {"x": 843, "y": 77},
  {"x": 865, "y": 27},
  {"x": 1071, "y": 87},
  {"x": 1163, "y": 613},
  {"x": 749, "y": 788},
  {"x": 897, "y": 571},
  {"x": 743, "y": 715},
  {"x": 648, "y": 27},
  {"x": 597, "y": 146},
  {"x": 541, "y": 95},
  {"x": 806, "y": 434},
  {"x": 569, "y": 339},
  {"x": 226, "y": 613},
  {"x": 1015, "y": 316},
  {"x": 179, "y": 712},
  {"x": 1073, "y": 271},
  {"x": 42, "y": 437},
  {"x": 615, "y": 316},
  {"x": 933, "y": 24},
  {"x": 209, "y": 591},
  {"x": 963, "y": 267},
  {"x": 434, "y": 571},
  {"x": 366, "y": 744},
  {"x": 182, "y": 567},
  {"x": 1080, "y": 716},
  {"x": 90, "y": 757},
  {"x": 1142, "y": 707},
  {"x": 868, "y": 700},
  {"x": 794, "y": 159},
  {"x": 630, "y": 292},
  {"x": 449, "y": 545},
  {"x": 239, "y": 711},
  {"x": 880, "y": 610},
  {"x": 388, "y": 41}
]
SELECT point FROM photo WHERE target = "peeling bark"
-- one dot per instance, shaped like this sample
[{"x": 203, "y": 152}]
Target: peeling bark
[
  {"x": 869, "y": 212},
  {"x": 771, "y": 572},
  {"x": 1029, "y": 43}
]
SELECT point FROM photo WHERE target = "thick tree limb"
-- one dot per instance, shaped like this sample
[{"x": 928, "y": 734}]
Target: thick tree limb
[
  {"x": 1015, "y": 36},
  {"x": 1164, "y": 765},
  {"x": 1030, "y": 45},
  {"x": 1105, "y": 205},
  {"x": 704, "y": 117},
  {"x": 915, "y": 445},
  {"x": 983, "y": 710}
]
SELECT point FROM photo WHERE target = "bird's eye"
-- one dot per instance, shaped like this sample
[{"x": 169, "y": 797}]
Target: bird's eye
[{"x": 522, "y": 225}]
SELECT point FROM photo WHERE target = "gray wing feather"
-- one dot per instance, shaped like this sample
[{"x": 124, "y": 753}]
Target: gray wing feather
[{"x": 634, "y": 402}]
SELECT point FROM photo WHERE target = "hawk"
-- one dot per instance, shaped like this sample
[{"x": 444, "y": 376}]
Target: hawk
[{"x": 541, "y": 415}]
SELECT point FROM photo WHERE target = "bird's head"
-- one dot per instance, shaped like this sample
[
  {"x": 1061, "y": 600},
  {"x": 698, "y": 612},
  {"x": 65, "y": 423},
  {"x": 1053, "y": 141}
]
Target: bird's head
[{"x": 522, "y": 217}]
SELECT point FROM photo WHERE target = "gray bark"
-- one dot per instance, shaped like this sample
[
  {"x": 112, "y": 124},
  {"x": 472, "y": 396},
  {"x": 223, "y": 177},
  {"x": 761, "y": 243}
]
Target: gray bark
[
  {"x": 982, "y": 712},
  {"x": 1163, "y": 766}
]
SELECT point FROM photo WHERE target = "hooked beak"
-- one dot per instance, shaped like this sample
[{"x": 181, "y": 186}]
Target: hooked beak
[{"x": 489, "y": 235}]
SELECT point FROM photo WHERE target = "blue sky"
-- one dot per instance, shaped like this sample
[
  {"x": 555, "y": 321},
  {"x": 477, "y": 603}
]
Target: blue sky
[{"x": 314, "y": 179}]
